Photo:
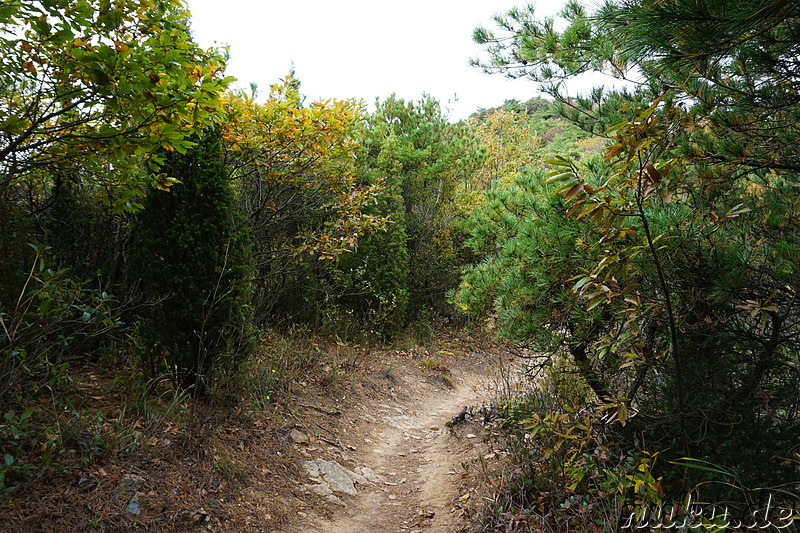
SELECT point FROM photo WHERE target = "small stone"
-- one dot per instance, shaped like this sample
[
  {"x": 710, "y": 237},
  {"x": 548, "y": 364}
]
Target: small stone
[
  {"x": 392, "y": 496},
  {"x": 370, "y": 474},
  {"x": 471, "y": 435},
  {"x": 298, "y": 437},
  {"x": 87, "y": 483},
  {"x": 145, "y": 504},
  {"x": 133, "y": 507},
  {"x": 192, "y": 517},
  {"x": 127, "y": 487}
]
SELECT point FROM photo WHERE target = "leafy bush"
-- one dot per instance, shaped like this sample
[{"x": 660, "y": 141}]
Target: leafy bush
[
  {"x": 684, "y": 317},
  {"x": 571, "y": 475},
  {"x": 295, "y": 171},
  {"x": 49, "y": 323},
  {"x": 372, "y": 282},
  {"x": 422, "y": 158}
]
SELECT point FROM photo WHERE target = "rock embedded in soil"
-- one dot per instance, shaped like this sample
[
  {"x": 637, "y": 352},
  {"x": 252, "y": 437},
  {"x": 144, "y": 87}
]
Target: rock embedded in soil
[
  {"x": 298, "y": 437},
  {"x": 192, "y": 517},
  {"x": 324, "y": 491},
  {"x": 332, "y": 473},
  {"x": 133, "y": 507},
  {"x": 127, "y": 487},
  {"x": 312, "y": 469},
  {"x": 148, "y": 505},
  {"x": 357, "y": 478},
  {"x": 370, "y": 475}
]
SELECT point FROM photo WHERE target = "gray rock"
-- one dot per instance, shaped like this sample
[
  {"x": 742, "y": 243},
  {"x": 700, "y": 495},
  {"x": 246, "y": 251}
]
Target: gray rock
[
  {"x": 133, "y": 507},
  {"x": 370, "y": 474},
  {"x": 324, "y": 491},
  {"x": 127, "y": 487},
  {"x": 298, "y": 437},
  {"x": 336, "y": 477},
  {"x": 357, "y": 478},
  {"x": 145, "y": 504},
  {"x": 312, "y": 469},
  {"x": 320, "y": 490}
]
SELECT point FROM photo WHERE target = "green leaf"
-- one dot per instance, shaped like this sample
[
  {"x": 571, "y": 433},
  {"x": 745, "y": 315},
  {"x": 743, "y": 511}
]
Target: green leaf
[
  {"x": 616, "y": 127},
  {"x": 594, "y": 302},
  {"x": 698, "y": 464},
  {"x": 26, "y": 414},
  {"x": 45, "y": 306},
  {"x": 565, "y": 176},
  {"x": 580, "y": 283},
  {"x": 9, "y": 459}
]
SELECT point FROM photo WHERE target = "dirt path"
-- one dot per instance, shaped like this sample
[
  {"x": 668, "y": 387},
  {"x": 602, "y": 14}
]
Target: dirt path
[
  {"x": 379, "y": 412},
  {"x": 422, "y": 484}
]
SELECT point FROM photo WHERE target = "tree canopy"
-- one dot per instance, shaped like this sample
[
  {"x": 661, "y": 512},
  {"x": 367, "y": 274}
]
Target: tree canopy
[
  {"x": 681, "y": 308},
  {"x": 91, "y": 88}
]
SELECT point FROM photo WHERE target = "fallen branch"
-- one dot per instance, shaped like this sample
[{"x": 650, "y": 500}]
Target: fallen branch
[
  {"x": 332, "y": 433},
  {"x": 320, "y": 437},
  {"x": 314, "y": 407}
]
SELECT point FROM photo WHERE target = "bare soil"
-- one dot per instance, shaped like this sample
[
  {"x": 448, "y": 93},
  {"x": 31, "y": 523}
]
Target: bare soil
[
  {"x": 237, "y": 469},
  {"x": 404, "y": 436}
]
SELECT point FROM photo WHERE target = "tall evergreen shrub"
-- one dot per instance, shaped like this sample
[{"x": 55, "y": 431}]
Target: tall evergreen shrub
[{"x": 191, "y": 253}]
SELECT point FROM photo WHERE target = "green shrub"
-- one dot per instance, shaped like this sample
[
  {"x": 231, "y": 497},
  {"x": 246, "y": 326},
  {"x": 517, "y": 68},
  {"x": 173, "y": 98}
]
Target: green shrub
[
  {"x": 54, "y": 319},
  {"x": 372, "y": 282},
  {"x": 191, "y": 255},
  {"x": 570, "y": 477}
]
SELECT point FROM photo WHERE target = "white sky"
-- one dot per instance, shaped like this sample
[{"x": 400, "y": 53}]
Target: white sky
[{"x": 363, "y": 48}]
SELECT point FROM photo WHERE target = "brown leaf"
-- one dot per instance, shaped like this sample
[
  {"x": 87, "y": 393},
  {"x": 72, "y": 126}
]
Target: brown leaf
[
  {"x": 575, "y": 189},
  {"x": 652, "y": 172}
]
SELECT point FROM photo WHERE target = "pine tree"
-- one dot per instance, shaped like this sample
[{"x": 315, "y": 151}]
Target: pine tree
[{"x": 692, "y": 273}]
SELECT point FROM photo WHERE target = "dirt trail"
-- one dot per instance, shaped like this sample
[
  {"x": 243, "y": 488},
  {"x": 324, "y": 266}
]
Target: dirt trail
[{"x": 405, "y": 440}]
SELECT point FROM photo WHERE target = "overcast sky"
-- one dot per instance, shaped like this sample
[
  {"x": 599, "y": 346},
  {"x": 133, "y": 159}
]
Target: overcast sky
[{"x": 363, "y": 48}]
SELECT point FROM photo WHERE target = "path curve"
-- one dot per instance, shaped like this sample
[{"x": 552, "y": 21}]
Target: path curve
[{"x": 418, "y": 458}]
